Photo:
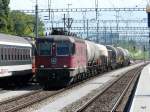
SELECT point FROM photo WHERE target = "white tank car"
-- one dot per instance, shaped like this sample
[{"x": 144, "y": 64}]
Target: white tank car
[
  {"x": 103, "y": 50},
  {"x": 103, "y": 54},
  {"x": 126, "y": 56},
  {"x": 124, "y": 52},
  {"x": 92, "y": 51}
]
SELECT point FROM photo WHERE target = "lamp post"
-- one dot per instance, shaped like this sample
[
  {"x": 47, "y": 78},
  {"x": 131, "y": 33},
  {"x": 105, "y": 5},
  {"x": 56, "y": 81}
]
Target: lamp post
[
  {"x": 49, "y": 8},
  {"x": 36, "y": 19}
]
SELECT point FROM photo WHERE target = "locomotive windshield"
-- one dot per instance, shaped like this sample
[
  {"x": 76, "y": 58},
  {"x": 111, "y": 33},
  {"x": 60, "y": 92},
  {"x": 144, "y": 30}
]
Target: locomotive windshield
[
  {"x": 45, "y": 48},
  {"x": 63, "y": 49}
]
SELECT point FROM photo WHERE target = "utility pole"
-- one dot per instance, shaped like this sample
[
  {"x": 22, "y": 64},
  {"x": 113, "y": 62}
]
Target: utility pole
[
  {"x": 104, "y": 32},
  {"x": 127, "y": 36},
  {"x": 69, "y": 19},
  {"x": 64, "y": 19},
  {"x": 117, "y": 25},
  {"x": 112, "y": 37},
  {"x": 36, "y": 19},
  {"x": 97, "y": 36},
  {"x": 84, "y": 21},
  {"x": 49, "y": 9},
  {"x": 105, "y": 35},
  {"x": 87, "y": 28},
  {"x": 49, "y": 12},
  {"x": 96, "y": 8}
]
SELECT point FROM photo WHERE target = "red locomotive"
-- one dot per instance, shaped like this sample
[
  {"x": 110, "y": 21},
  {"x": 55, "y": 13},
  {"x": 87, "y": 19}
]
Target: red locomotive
[{"x": 59, "y": 58}]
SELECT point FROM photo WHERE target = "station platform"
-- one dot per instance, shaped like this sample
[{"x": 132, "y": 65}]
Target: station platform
[{"x": 141, "y": 100}]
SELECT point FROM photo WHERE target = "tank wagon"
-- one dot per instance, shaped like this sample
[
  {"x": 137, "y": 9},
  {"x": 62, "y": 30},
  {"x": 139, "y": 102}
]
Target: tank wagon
[
  {"x": 15, "y": 59},
  {"x": 62, "y": 60},
  {"x": 113, "y": 57},
  {"x": 125, "y": 59}
]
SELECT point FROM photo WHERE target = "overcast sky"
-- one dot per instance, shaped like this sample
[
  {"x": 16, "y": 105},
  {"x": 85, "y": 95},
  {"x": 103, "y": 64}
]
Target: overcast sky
[{"x": 29, "y": 4}]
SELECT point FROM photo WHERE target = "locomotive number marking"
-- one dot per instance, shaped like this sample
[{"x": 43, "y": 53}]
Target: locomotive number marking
[{"x": 53, "y": 60}]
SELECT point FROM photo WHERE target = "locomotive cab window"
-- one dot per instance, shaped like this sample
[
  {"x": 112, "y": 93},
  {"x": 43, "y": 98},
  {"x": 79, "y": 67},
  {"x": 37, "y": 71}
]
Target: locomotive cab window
[
  {"x": 45, "y": 48},
  {"x": 63, "y": 49}
]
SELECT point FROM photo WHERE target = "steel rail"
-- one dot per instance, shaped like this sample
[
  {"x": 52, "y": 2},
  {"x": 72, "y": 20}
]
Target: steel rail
[{"x": 82, "y": 108}]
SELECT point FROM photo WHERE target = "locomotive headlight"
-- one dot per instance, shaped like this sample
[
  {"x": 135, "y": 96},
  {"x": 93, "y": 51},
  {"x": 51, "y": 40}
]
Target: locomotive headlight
[
  {"x": 41, "y": 66},
  {"x": 65, "y": 66}
]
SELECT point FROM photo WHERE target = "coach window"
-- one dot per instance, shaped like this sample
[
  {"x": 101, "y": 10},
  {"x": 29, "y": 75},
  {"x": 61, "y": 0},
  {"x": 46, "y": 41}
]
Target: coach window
[
  {"x": 20, "y": 54},
  {"x": 26, "y": 54},
  {"x": 5, "y": 52},
  {"x": 23, "y": 54},
  {"x": 17, "y": 54},
  {"x": 1, "y": 53},
  {"x": 12, "y": 53},
  {"x": 19, "y": 51},
  {"x": 29, "y": 54},
  {"x": 8, "y": 52},
  {"x": 63, "y": 49}
]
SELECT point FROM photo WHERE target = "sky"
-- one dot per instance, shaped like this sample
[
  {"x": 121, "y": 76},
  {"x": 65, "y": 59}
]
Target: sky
[
  {"x": 56, "y": 4},
  {"x": 29, "y": 4}
]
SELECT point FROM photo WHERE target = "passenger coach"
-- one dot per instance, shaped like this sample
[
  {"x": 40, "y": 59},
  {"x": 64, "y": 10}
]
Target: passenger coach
[{"x": 15, "y": 59}]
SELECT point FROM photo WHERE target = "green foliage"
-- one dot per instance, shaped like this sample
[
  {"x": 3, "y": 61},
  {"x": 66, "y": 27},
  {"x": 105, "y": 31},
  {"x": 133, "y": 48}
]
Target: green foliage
[
  {"x": 23, "y": 24},
  {"x": 16, "y": 22},
  {"x": 4, "y": 13},
  {"x": 136, "y": 52}
]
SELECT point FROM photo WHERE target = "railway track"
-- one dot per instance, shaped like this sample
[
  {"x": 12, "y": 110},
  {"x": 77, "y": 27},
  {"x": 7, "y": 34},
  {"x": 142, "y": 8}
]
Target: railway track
[
  {"x": 17, "y": 103},
  {"x": 109, "y": 100},
  {"x": 23, "y": 101}
]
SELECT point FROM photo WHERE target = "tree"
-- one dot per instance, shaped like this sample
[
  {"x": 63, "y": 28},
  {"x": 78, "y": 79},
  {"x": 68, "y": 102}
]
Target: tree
[
  {"x": 4, "y": 14},
  {"x": 16, "y": 22},
  {"x": 23, "y": 24}
]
